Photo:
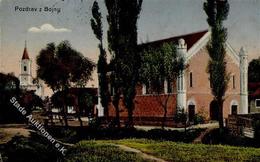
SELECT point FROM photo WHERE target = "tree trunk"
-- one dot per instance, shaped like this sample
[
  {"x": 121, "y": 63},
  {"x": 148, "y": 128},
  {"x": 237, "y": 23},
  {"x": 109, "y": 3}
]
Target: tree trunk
[
  {"x": 78, "y": 113},
  {"x": 117, "y": 120},
  {"x": 164, "y": 116},
  {"x": 130, "y": 122},
  {"x": 220, "y": 116},
  {"x": 80, "y": 121},
  {"x": 106, "y": 113},
  {"x": 65, "y": 115},
  {"x": 116, "y": 105}
]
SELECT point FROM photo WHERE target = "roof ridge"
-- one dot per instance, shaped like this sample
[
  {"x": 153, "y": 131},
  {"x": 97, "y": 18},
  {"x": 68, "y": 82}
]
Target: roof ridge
[
  {"x": 176, "y": 36},
  {"x": 190, "y": 39}
]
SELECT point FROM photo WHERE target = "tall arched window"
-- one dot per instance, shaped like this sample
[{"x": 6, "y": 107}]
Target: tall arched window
[
  {"x": 191, "y": 81},
  {"x": 234, "y": 81}
]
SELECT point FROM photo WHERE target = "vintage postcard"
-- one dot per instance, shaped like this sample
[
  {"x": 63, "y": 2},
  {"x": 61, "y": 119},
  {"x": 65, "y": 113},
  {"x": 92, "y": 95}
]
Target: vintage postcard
[{"x": 129, "y": 80}]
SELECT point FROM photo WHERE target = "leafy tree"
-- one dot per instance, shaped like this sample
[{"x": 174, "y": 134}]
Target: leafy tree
[
  {"x": 113, "y": 46},
  {"x": 217, "y": 12},
  {"x": 122, "y": 38},
  {"x": 253, "y": 70},
  {"x": 9, "y": 87},
  {"x": 159, "y": 65},
  {"x": 62, "y": 67},
  {"x": 30, "y": 101},
  {"x": 102, "y": 66}
]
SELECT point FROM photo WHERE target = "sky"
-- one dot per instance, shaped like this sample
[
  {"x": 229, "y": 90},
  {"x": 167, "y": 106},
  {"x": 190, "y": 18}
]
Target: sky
[{"x": 70, "y": 20}]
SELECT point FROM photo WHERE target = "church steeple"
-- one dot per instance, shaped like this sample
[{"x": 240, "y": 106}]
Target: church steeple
[
  {"x": 26, "y": 68},
  {"x": 25, "y": 53}
]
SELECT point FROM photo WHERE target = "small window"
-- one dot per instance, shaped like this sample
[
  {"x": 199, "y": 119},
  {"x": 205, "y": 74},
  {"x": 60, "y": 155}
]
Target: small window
[
  {"x": 234, "y": 81},
  {"x": 191, "y": 84},
  {"x": 257, "y": 103},
  {"x": 24, "y": 68}
]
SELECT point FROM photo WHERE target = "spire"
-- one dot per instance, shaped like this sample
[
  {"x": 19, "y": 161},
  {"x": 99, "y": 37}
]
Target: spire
[{"x": 25, "y": 53}]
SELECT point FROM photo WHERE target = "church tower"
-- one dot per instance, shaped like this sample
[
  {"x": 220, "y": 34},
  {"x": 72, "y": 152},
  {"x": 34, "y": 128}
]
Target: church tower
[
  {"x": 26, "y": 69},
  {"x": 243, "y": 82}
]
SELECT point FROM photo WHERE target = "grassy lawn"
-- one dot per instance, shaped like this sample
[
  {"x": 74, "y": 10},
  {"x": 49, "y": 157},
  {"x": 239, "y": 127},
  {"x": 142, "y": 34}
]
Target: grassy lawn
[
  {"x": 37, "y": 149},
  {"x": 172, "y": 151},
  {"x": 91, "y": 151}
]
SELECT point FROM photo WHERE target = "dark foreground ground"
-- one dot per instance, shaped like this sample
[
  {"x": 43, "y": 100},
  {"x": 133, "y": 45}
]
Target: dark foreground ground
[{"x": 122, "y": 145}]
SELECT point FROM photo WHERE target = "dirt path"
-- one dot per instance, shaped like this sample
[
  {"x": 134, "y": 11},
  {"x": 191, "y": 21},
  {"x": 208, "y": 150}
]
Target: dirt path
[
  {"x": 6, "y": 134},
  {"x": 199, "y": 139},
  {"x": 140, "y": 153}
]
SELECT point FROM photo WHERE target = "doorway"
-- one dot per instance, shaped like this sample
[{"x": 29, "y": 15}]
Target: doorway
[
  {"x": 191, "y": 111},
  {"x": 234, "y": 110},
  {"x": 214, "y": 111}
]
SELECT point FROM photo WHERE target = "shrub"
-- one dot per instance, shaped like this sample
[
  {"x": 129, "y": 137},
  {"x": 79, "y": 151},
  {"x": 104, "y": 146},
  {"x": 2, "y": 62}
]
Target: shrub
[
  {"x": 34, "y": 149},
  {"x": 180, "y": 116},
  {"x": 199, "y": 119},
  {"x": 94, "y": 122},
  {"x": 257, "y": 130}
]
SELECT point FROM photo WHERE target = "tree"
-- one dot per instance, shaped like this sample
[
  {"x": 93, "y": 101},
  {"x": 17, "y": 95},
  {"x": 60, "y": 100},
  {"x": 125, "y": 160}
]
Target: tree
[
  {"x": 122, "y": 38},
  {"x": 102, "y": 67},
  {"x": 253, "y": 70},
  {"x": 159, "y": 65},
  {"x": 9, "y": 87},
  {"x": 62, "y": 67},
  {"x": 217, "y": 12},
  {"x": 113, "y": 46},
  {"x": 30, "y": 101}
]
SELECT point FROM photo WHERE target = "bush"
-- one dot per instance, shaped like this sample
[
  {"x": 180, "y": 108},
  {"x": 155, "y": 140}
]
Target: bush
[
  {"x": 214, "y": 137},
  {"x": 34, "y": 149},
  {"x": 94, "y": 122},
  {"x": 180, "y": 116},
  {"x": 199, "y": 119},
  {"x": 257, "y": 130},
  {"x": 75, "y": 135}
]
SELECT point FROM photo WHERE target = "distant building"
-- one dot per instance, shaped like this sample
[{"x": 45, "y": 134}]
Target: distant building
[
  {"x": 83, "y": 100},
  {"x": 192, "y": 91},
  {"x": 254, "y": 97},
  {"x": 25, "y": 77}
]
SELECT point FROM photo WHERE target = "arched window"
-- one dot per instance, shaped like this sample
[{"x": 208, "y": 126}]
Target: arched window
[
  {"x": 191, "y": 81},
  {"x": 24, "y": 68},
  {"x": 234, "y": 81}
]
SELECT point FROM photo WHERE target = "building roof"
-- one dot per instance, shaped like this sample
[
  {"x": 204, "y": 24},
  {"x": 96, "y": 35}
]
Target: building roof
[
  {"x": 25, "y": 54},
  {"x": 190, "y": 39}
]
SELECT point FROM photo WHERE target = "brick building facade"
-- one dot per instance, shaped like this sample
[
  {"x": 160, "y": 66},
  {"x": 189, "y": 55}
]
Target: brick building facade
[{"x": 192, "y": 90}]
